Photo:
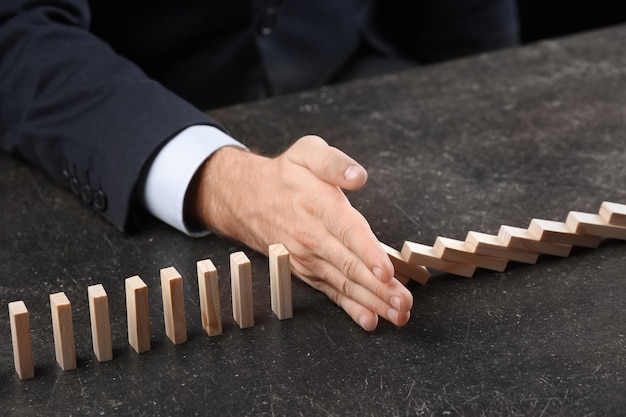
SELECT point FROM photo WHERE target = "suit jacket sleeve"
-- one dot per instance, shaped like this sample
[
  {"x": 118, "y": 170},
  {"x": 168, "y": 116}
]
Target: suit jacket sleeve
[{"x": 73, "y": 107}]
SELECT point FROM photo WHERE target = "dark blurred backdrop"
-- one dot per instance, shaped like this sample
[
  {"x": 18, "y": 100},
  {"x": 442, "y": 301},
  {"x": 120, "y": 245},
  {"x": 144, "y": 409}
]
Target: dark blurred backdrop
[{"x": 541, "y": 19}]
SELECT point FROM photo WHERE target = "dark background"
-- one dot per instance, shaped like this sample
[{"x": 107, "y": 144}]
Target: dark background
[{"x": 545, "y": 19}]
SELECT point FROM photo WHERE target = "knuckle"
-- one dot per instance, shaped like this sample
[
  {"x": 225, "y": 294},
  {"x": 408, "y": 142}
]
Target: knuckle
[
  {"x": 347, "y": 232},
  {"x": 306, "y": 240},
  {"x": 310, "y": 203},
  {"x": 334, "y": 296},
  {"x": 346, "y": 287},
  {"x": 349, "y": 266}
]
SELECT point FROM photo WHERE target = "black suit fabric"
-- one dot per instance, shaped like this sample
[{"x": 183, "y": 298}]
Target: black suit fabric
[{"x": 72, "y": 106}]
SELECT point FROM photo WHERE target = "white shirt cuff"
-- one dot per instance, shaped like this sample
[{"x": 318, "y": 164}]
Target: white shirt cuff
[{"x": 173, "y": 168}]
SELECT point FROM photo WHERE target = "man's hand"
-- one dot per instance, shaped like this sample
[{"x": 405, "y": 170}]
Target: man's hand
[{"x": 296, "y": 199}]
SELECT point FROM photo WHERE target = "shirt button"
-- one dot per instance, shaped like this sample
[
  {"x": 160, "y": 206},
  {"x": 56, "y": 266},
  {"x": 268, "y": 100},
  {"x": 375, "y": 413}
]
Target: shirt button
[
  {"x": 75, "y": 186},
  {"x": 85, "y": 193},
  {"x": 99, "y": 200},
  {"x": 267, "y": 21}
]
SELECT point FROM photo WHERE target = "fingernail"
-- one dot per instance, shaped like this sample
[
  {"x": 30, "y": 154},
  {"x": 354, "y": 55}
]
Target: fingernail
[
  {"x": 352, "y": 172},
  {"x": 393, "y": 315},
  {"x": 395, "y": 302},
  {"x": 378, "y": 272},
  {"x": 363, "y": 322}
]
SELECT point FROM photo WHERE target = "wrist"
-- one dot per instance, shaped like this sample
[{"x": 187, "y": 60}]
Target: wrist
[{"x": 220, "y": 194}]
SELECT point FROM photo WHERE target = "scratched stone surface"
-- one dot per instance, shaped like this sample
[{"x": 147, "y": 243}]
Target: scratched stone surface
[{"x": 466, "y": 145}]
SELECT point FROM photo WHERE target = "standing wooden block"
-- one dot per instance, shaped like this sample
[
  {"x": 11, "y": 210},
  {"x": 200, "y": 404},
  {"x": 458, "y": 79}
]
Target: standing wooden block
[
  {"x": 100, "y": 322},
  {"x": 558, "y": 232},
  {"x": 173, "y": 305},
  {"x": 404, "y": 271},
  {"x": 280, "y": 281},
  {"x": 516, "y": 237},
  {"x": 22, "y": 344},
  {"x": 458, "y": 251},
  {"x": 490, "y": 245},
  {"x": 137, "y": 314},
  {"x": 594, "y": 224},
  {"x": 241, "y": 285},
  {"x": 613, "y": 213},
  {"x": 63, "y": 331},
  {"x": 210, "y": 307},
  {"x": 417, "y": 254}
]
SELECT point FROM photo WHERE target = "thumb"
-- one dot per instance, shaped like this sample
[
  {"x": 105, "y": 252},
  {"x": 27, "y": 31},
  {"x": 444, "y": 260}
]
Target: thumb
[{"x": 327, "y": 163}]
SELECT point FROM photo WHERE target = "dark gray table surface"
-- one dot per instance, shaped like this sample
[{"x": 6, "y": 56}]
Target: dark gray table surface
[{"x": 466, "y": 145}]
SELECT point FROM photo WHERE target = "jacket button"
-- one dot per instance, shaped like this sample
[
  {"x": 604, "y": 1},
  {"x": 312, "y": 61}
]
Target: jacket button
[
  {"x": 267, "y": 21},
  {"x": 85, "y": 193},
  {"x": 99, "y": 200},
  {"x": 75, "y": 186}
]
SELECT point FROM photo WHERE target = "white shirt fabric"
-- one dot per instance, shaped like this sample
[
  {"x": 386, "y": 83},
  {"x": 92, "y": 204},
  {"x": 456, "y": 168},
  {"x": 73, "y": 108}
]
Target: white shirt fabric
[{"x": 173, "y": 168}]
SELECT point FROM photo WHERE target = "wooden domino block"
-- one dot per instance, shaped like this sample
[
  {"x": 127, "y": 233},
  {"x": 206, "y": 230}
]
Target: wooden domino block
[
  {"x": 490, "y": 245},
  {"x": 422, "y": 255},
  {"x": 280, "y": 281},
  {"x": 173, "y": 305},
  {"x": 458, "y": 251},
  {"x": 137, "y": 314},
  {"x": 613, "y": 213},
  {"x": 516, "y": 237},
  {"x": 595, "y": 225},
  {"x": 404, "y": 271},
  {"x": 63, "y": 330},
  {"x": 558, "y": 232},
  {"x": 210, "y": 307},
  {"x": 241, "y": 286},
  {"x": 22, "y": 344},
  {"x": 100, "y": 322}
]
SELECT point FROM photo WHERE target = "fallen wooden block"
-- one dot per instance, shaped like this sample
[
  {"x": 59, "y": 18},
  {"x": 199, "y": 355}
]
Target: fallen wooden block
[
  {"x": 613, "y": 213},
  {"x": 280, "y": 282},
  {"x": 417, "y": 254},
  {"x": 137, "y": 314},
  {"x": 595, "y": 225},
  {"x": 558, "y": 232},
  {"x": 458, "y": 251},
  {"x": 173, "y": 305},
  {"x": 63, "y": 330},
  {"x": 241, "y": 286},
  {"x": 404, "y": 271},
  {"x": 490, "y": 245},
  {"x": 22, "y": 343},
  {"x": 210, "y": 307},
  {"x": 516, "y": 237},
  {"x": 100, "y": 323}
]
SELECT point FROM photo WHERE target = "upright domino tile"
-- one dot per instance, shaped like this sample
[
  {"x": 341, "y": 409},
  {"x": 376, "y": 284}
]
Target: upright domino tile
[
  {"x": 100, "y": 322},
  {"x": 613, "y": 213},
  {"x": 173, "y": 305},
  {"x": 241, "y": 286},
  {"x": 490, "y": 245},
  {"x": 595, "y": 225},
  {"x": 63, "y": 330},
  {"x": 516, "y": 237},
  {"x": 417, "y": 254},
  {"x": 210, "y": 307},
  {"x": 404, "y": 271},
  {"x": 137, "y": 314},
  {"x": 558, "y": 232},
  {"x": 458, "y": 251},
  {"x": 22, "y": 344},
  {"x": 280, "y": 281}
]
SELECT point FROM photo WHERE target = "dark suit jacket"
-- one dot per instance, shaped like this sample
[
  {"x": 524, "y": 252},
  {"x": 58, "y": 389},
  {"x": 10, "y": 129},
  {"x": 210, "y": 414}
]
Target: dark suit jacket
[{"x": 90, "y": 91}]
